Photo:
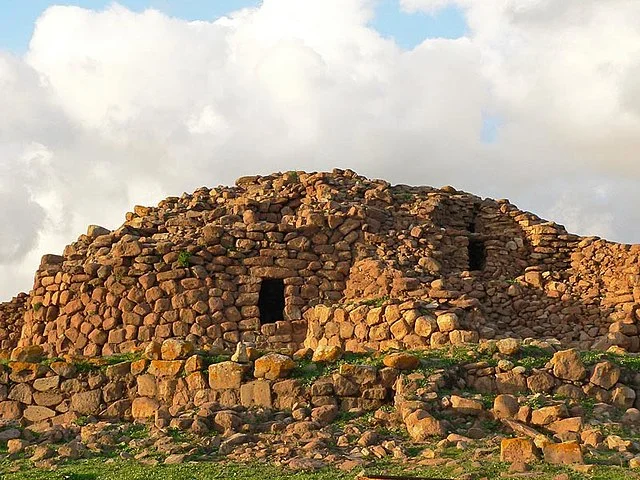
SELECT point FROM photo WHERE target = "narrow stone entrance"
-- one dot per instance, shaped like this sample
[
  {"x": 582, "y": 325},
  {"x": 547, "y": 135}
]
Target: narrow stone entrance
[
  {"x": 477, "y": 255},
  {"x": 271, "y": 300}
]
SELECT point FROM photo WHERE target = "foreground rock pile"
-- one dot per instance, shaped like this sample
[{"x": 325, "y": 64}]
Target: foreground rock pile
[{"x": 506, "y": 401}]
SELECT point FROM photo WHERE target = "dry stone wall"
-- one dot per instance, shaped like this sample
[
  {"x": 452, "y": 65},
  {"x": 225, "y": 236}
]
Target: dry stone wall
[
  {"x": 11, "y": 318},
  {"x": 44, "y": 395},
  {"x": 208, "y": 266},
  {"x": 172, "y": 385},
  {"x": 400, "y": 326}
]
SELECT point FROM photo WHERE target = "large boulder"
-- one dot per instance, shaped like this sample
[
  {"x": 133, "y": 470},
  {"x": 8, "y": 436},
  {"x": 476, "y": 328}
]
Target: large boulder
[
  {"x": 518, "y": 450},
  {"x": 31, "y": 353},
  {"x": 47, "y": 383},
  {"x": 448, "y": 322},
  {"x": 226, "y": 421},
  {"x": 165, "y": 368},
  {"x": 144, "y": 407},
  {"x": 508, "y": 346},
  {"x": 605, "y": 375},
  {"x": 401, "y": 361},
  {"x": 256, "y": 394},
  {"x": 87, "y": 403},
  {"x": 547, "y": 415},
  {"x": 466, "y": 406},
  {"x": 563, "y": 453},
  {"x": 540, "y": 382},
  {"x": 567, "y": 365},
  {"x": 225, "y": 375},
  {"x": 273, "y": 366},
  {"x": 421, "y": 425},
  {"x": 566, "y": 425},
  {"x": 327, "y": 353},
  {"x": 34, "y": 413},
  {"x": 505, "y": 406},
  {"x": 425, "y": 326},
  {"x": 10, "y": 410},
  {"x": 623, "y": 396},
  {"x": 175, "y": 349}
]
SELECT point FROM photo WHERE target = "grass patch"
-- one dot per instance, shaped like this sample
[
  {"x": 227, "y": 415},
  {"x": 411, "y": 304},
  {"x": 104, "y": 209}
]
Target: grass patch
[
  {"x": 179, "y": 436},
  {"x": 116, "y": 469},
  {"x": 184, "y": 258},
  {"x": 628, "y": 361},
  {"x": 531, "y": 357},
  {"x": 360, "y": 419},
  {"x": 136, "y": 431},
  {"x": 375, "y": 302},
  {"x": 460, "y": 461},
  {"x": 449, "y": 357},
  {"x": 308, "y": 371},
  {"x": 213, "y": 359},
  {"x": 588, "y": 405}
]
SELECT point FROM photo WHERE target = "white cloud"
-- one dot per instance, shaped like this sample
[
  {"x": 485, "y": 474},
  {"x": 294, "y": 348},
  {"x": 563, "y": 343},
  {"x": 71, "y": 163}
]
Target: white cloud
[{"x": 113, "y": 108}]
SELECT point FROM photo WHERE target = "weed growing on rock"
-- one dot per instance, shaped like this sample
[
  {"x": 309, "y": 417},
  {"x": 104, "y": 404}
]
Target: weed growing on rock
[{"x": 184, "y": 258}]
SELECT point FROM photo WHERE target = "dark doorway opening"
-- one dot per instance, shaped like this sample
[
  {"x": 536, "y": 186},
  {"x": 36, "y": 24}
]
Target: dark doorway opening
[
  {"x": 271, "y": 300},
  {"x": 477, "y": 255}
]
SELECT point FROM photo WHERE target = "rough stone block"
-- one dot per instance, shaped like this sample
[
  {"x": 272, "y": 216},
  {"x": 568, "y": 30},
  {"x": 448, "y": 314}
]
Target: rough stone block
[
  {"x": 225, "y": 375},
  {"x": 256, "y": 394}
]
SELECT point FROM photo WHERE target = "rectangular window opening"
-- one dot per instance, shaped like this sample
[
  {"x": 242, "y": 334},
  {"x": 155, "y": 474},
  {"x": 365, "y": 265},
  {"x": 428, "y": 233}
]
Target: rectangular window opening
[
  {"x": 477, "y": 255},
  {"x": 271, "y": 300}
]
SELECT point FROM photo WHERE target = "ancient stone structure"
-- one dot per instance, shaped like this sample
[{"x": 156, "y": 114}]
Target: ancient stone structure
[
  {"x": 295, "y": 259},
  {"x": 290, "y": 271}
]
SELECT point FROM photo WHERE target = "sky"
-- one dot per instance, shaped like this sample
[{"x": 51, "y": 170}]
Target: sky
[{"x": 106, "y": 105}]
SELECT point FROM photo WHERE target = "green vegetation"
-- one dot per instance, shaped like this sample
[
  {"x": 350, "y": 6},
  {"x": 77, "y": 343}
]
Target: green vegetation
[
  {"x": 184, "y": 258},
  {"x": 460, "y": 461},
  {"x": 178, "y": 435},
  {"x": 136, "y": 431},
  {"x": 213, "y": 359},
  {"x": 531, "y": 357},
  {"x": 115, "y": 469},
  {"x": 101, "y": 363},
  {"x": 375, "y": 302},
  {"x": 448, "y": 357},
  {"x": 588, "y": 405},
  {"x": 372, "y": 302},
  {"x": 308, "y": 371},
  {"x": 404, "y": 196},
  {"x": 536, "y": 401},
  {"x": 292, "y": 176},
  {"x": 49, "y": 360},
  {"x": 487, "y": 400},
  {"x": 82, "y": 421},
  {"x": 628, "y": 361},
  {"x": 360, "y": 419}
]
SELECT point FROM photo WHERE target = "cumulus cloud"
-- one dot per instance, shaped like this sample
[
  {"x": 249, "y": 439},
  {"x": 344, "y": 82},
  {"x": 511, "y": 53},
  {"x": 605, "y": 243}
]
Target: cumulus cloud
[{"x": 114, "y": 108}]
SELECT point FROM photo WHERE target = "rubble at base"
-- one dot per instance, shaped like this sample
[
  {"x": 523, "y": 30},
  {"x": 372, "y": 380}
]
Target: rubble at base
[{"x": 346, "y": 413}]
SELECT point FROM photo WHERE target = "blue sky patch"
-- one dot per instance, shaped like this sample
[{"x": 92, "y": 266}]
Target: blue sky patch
[
  {"x": 411, "y": 29},
  {"x": 18, "y": 17},
  {"x": 490, "y": 127}
]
